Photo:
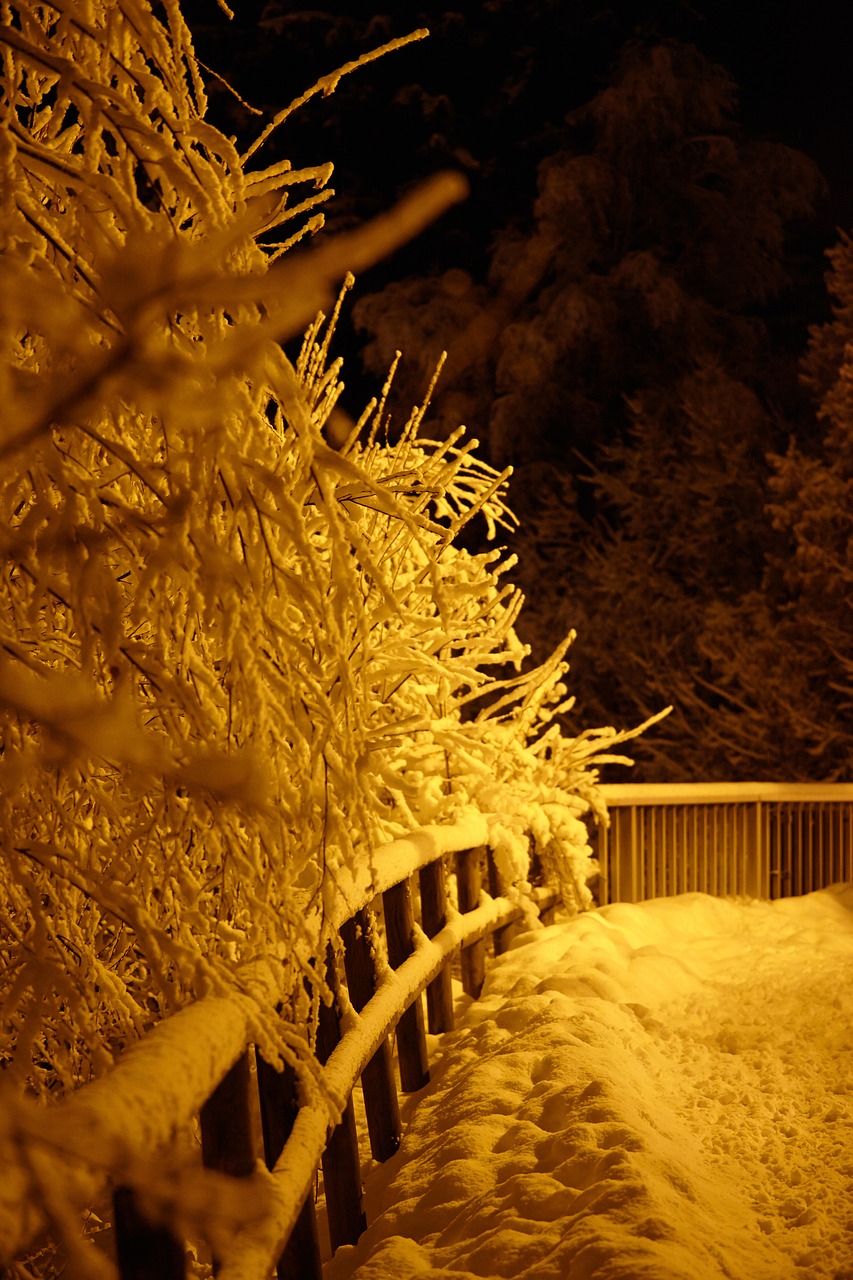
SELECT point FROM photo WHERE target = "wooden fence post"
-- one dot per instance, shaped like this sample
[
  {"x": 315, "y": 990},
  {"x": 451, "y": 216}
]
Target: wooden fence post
[
  {"x": 226, "y": 1126},
  {"x": 279, "y": 1097},
  {"x": 469, "y": 882},
  {"x": 501, "y": 938},
  {"x": 226, "y": 1123},
  {"x": 144, "y": 1251},
  {"x": 411, "y": 1038},
  {"x": 439, "y": 993},
  {"x": 341, "y": 1163},
  {"x": 377, "y": 1080}
]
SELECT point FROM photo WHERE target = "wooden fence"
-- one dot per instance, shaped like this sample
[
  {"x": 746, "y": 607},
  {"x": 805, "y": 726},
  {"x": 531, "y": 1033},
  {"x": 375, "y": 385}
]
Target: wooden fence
[
  {"x": 765, "y": 840},
  {"x": 399, "y": 935}
]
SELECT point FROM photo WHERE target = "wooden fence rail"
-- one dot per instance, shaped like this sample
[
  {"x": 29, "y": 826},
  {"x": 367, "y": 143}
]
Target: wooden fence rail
[
  {"x": 399, "y": 935},
  {"x": 429, "y": 898}
]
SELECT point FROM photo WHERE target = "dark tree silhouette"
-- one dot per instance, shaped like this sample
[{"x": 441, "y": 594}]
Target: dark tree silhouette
[{"x": 783, "y": 657}]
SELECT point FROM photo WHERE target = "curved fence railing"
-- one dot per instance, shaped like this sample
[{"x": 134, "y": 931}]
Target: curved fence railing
[
  {"x": 762, "y": 839},
  {"x": 426, "y": 899}
]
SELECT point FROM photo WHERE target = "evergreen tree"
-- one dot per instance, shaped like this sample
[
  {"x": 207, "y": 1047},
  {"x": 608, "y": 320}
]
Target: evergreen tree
[
  {"x": 782, "y": 658},
  {"x": 681, "y": 532},
  {"x": 656, "y": 237}
]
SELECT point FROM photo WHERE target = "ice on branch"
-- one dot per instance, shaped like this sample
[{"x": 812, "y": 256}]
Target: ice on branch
[{"x": 235, "y": 660}]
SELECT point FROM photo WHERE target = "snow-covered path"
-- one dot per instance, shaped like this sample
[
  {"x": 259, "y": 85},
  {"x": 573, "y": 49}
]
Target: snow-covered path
[{"x": 660, "y": 1091}]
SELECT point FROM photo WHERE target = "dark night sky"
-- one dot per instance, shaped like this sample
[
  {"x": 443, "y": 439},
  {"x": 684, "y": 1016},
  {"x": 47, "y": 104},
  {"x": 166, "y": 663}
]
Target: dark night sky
[
  {"x": 790, "y": 58},
  {"x": 792, "y": 63}
]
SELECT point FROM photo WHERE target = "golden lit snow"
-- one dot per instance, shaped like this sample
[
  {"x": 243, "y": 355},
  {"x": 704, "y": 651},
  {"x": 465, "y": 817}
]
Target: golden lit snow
[{"x": 661, "y": 1090}]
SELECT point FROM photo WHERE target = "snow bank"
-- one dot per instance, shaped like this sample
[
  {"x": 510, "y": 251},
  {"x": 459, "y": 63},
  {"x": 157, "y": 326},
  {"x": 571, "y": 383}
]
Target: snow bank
[{"x": 659, "y": 1090}]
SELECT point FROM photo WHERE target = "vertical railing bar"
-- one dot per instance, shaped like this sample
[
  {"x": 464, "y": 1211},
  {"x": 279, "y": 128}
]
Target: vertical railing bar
[
  {"x": 712, "y": 853},
  {"x": 381, "y": 1103},
  {"x": 719, "y": 860},
  {"x": 778, "y": 839},
  {"x": 647, "y": 885},
  {"x": 743, "y": 871},
  {"x": 469, "y": 881},
  {"x": 637, "y": 855},
  {"x": 706, "y": 844},
  {"x": 144, "y": 1250},
  {"x": 439, "y": 993},
  {"x": 226, "y": 1123},
  {"x": 694, "y": 881},
  {"x": 796, "y": 850},
  {"x": 843, "y": 843},
  {"x": 837, "y": 868},
  {"x": 664, "y": 862},
  {"x": 340, "y": 1160},
  {"x": 691, "y": 846},
  {"x": 603, "y": 833},
  {"x": 498, "y": 888},
  {"x": 412, "y": 1056},
  {"x": 279, "y": 1098},
  {"x": 226, "y": 1126},
  {"x": 658, "y": 861}
]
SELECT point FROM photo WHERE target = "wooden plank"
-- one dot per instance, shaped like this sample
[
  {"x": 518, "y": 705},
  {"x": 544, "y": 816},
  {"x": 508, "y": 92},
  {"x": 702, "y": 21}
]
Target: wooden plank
[
  {"x": 226, "y": 1127},
  {"x": 501, "y": 938},
  {"x": 439, "y": 993},
  {"x": 226, "y": 1123},
  {"x": 411, "y": 1038},
  {"x": 341, "y": 1162},
  {"x": 144, "y": 1251},
  {"x": 469, "y": 882},
  {"x": 377, "y": 1080},
  {"x": 279, "y": 1097}
]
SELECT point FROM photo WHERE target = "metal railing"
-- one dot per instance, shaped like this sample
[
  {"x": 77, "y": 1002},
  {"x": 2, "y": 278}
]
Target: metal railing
[{"x": 760, "y": 839}]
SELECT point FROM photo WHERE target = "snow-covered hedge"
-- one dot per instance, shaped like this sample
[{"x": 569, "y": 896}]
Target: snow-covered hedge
[{"x": 234, "y": 659}]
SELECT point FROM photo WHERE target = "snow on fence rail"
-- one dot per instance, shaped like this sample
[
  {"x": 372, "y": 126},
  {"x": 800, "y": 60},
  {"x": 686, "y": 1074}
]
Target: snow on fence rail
[
  {"x": 199, "y": 1064},
  {"x": 766, "y": 840}
]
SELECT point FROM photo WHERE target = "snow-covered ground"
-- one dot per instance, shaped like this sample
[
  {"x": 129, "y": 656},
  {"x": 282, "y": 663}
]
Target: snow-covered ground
[{"x": 651, "y": 1092}]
